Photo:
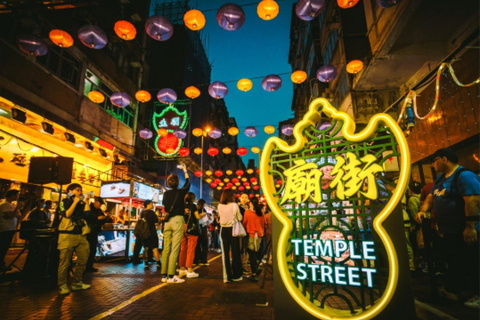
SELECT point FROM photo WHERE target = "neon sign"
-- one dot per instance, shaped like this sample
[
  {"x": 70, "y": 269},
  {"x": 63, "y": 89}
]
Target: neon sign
[
  {"x": 170, "y": 119},
  {"x": 327, "y": 191}
]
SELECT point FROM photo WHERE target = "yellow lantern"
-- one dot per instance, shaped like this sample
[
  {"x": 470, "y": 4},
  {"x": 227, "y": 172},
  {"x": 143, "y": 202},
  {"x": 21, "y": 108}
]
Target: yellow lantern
[
  {"x": 233, "y": 131},
  {"x": 248, "y": 187},
  {"x": 208, "y": 180},
  {"x": 250, "y": 171},
  {"x": 234, "y": 188},
  {"x": 298, "y": 76},
  {"x": 198, "y": 150},
  {"x": 194, "y": 20},
  {"x": 237, "y": 183},
  {"x": 244, "y": 179},
  {"x": 226, "y": 180},
  {"x": 162, "y": 132},
  {"x": 219, "y": 188},
  {"x": 143, "y": 96},
  {"x": 221, "y": 184},
  {"x": 345, "y": 4},
  {"x": 192, "y": 92},
  {"x": 96, "y": 96},
  {"x": 244, "y": 84},
  {"x": 208, "y": 172},
  {"x": 255, "y": 149},
  {"x": 269, "y": 129},
  {"x": 267, "y": 9},
  {"x": 354, "y": 66},
  {"x": 125, "y": 30},
  {"x": 229, "y": 172},
  {"x": 61, "y": 38},
  {"x": 197, "y": 132},
  {"x": 227, "y": 150}
]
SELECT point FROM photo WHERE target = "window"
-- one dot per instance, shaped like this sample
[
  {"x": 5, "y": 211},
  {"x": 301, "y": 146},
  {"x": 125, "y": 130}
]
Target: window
[
  {"x": 61, "y": 63},
  {"x": 330, "y": 47}
]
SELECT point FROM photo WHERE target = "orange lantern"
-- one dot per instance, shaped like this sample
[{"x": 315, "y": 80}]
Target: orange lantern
[
  {"x": 233, "y": 131},
  {"x": 219, "y": 188},
  {"x": 244, "y": 179},
  {"x": 96, "y": 96},
  {"x": 192, "y": 92},
  {"x": 227, "y": 150},
  {"x": 162, "y": 132},
  {"x": 61, "y": 38},
  {"x": 298, "y": 76},
  {"x": 125, "y": 30},
  {"x": 226, "y": 180},
  {"x": 354, "y": 66},
  {"x": 218, "y": 173},
  {"x": 242, "y": 151},
  {"x": 208, "y": 172},
  {"x": 244, "y": 84},
  {"x": 249, "y": 171},
  {"x": 198, "y": 173},
  {"x": 345, "y": 4},
  {"x": 183, "y": 152},
  {"x": 208, "y": 180},
  {"x": 198, "y": 150},
  {"x": 194, "y": 20},
  {"x": 255, "y": 149},
  {"x": 228, "y": 172},
  {"x": 269, "y": 129},
  {"x": 239, "y": 172},
  {"x": 143, "y": 96},
  {"x": 212, "y": 151},
  {"x": 267, "y": 9},
  {"x": 197, "y": 132}
]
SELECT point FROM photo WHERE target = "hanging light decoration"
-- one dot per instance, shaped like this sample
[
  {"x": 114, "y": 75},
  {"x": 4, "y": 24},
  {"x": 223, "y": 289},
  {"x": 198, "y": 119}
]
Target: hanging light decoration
[
  {"x": 217, "y": 181},
  {"x": 227, "y": 150},
  {"x": 241, "y": 188},
  {"x": 167, "y": 96},
  {"x": 354, "y": 66},
  {"x": 246, "y": 184},
  {"x": 32, "y": 45},
  {"x": 143, "y": 96},
  {"x": 257, "y": 171},
  {"x": 192, "y": 92},
  {"x": 162, "y": 132},
  {"x": 255, "y": 149},
  {"x": 230, "y": 17},
  {"x": 269, "y": 129},
  {"x": 287, "y": 129},
  {"x": 208, "y": 172},
  {"x": 183, "y": 152},
  {"x": 194, "y": 19},
  {"x": 244, "y": 179},
  {"x": 197, "y": 132},
  {"x": 125, "y": 30},
  {"x": 268, "y": 9},
  {"x": 180, "y": 134},
  {"x": 308, "y": 10},
  {"x": 250, "y": 171},
  {"x": 198, "y": 150},
  {"x": 213, "y": 185},
  {"x": 92, "y": 36},
  {"x": 233, "y": 131},
  {"x": 242, "y": 151},
  {"x": 198, "y": 173},
  {"x": 253, "y": 179},
  {"x": 212, "y": 151},
  {"x": 229, "y": 172},
  {"x": 120, "y": 99},
  {"x": 250, "y": 132},
  {"x": 239, "y": 172},
  {"x": 96, "y": 96},
  {"x": 208, "y": 180},
  {"x": 244, "y": 84},
  {"x": 145, "y": 133},
  {"x": 61, "y": 38},
  {"x": 215, "y": 133},
  {"x": 345, "y": 4},
  {"x": 235, "y": 180},
  {"x": 387, "y": 3},
  {"x": 271, "y": 82},
  {"x": 326, "y": 73},
  {"x": 298, "y": 76},
  {"x": 218, "y": 173},
  {"x": 255, "y": 187},
  {"x": 159, "y": 28},
  {"x": 226, "y": 180},
  {"x": 217, "y": 90}
]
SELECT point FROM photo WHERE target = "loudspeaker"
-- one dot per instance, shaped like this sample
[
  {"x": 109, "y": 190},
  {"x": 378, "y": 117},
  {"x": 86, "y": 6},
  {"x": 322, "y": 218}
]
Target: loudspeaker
[{"x": 49, "y": 169}]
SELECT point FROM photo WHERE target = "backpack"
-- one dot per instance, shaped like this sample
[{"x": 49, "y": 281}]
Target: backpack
[{"x": 142, "y": 230}]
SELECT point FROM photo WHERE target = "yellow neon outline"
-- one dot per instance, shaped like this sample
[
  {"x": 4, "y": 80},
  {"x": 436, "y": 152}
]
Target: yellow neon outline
[{"x": 268, "y": 187}]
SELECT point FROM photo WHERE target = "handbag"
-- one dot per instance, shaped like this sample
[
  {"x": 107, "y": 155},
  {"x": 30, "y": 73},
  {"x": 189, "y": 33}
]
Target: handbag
[
  {"x": 238, "y": 230},
  {"x": 192, "y": 226}
]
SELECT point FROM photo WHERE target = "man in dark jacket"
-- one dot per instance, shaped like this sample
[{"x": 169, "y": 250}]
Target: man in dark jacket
[{"x": 95, "y": 220}]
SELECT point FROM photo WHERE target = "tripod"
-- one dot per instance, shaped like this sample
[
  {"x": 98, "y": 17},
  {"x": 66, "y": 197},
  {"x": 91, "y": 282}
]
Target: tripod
[{"x": 268, "y": 267}]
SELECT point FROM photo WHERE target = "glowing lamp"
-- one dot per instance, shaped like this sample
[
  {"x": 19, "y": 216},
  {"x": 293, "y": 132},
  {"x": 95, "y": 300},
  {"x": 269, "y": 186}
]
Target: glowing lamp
[
  {"x": 271, "y": 82},
  {"x": 192, "y": 92},
  {"x": 226, "y": 180},
  {"x": 218, "y": 90},
  {"x": 208, "y": 180},
  {"x": 245, "y": 184},
  {"x": 96, "y": 96},
  {"x": 255, "y": 187},
  {"x": 257, "y": 171},
  {"x": 159, "y": 28},
  {"x": 213, "y": 185},
  {"x": 198, "y": 150},
  {"x": 194, "y": 19},
  {"x": 219, "y": 188},
  {"x": 298, "y": 76},
  {"x": 145, "y": 133},
  {"x": 255, "y": 149},
  {"x": 120, "y": 99},
  {"x": 208, "y": 172},
  {"x": 183, "y": 152},
  {"x": 212, "y": 151},
  {"x": 387, "y": 3},
  {"x": 326, "y": 73},
  {"x": 229, "y": 172},
  {"x": 244, "y": 84},
  {"x": 241, "y": 188},
  {"x": 218, "y": 173},
  {"x": 269, "y": 129},
  {"x": 267, "y": 9},
  {"x": 244, "y": 179},
  {"x": 287, "y": 129},
  {"x": 215, "y": 133},
  {"x": 61, "y": 38},
  {"x": 162, "y": 132},
  {"x": 234, "y": 188},
  {"x": 253, "y": 179},
  {"x": 180, "y": 134},
  {"x": 32, "y": 45},
  {"x": 125, "y": 30},
  {"x": 167, "y": 96},
  {"x": 198, "y": 173},
  {"x": 217, "y": 181},
  {"x": 250, "y": 132},
  {"x": 239, "y": 172},
  {"x": 92, "y": 37},
  {"x": 227, "y": 150},
  {"x": 170, "y": 150},
  {"x": 233, "y": 131},
  {"x": 230, "y": 17},
  {"x": 308, "y": 10},
  {"x": 143, "y": 96},
  {"x": 197, "y": 132},
  {"x": 354, "y": 66},
  {"x": 242, "y": 151},
  {"x": 345, "y": 4},
  {"x": 250, "y": 171},
  {"x": 229, "y": 185},
  {"x": 235, "y": 180}
]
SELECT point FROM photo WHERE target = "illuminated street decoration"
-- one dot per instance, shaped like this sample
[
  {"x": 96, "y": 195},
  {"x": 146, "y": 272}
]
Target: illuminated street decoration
[
  {"x": 325, "y": 190},
  {"x": 230, "y": 17},
  {"x": 171, "y": 120},
  {"x": 308, "y": 10},
  {"x": 159, "y": 28},
  {"x": 61, "y": 38},
  {"x": 92, "y": 37},
  {"x": 32, "y": 45}
]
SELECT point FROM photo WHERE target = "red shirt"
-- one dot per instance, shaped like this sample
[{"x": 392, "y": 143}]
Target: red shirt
[{"x": 253, "y": 223}]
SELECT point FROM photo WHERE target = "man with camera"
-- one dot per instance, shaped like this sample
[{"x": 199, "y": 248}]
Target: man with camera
[{"x": 72, "y": 237}]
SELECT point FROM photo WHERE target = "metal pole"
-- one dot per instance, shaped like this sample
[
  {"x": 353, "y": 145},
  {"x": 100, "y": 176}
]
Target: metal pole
[{"x": 201, "y": 169}]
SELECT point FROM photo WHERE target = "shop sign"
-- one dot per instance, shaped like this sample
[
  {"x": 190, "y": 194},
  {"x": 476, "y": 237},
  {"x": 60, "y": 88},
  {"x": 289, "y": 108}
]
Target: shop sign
[
  {"x": 170, "y": 119},
  {"x": 115, "y": 189},
  {"x": 145, "y": 192}
]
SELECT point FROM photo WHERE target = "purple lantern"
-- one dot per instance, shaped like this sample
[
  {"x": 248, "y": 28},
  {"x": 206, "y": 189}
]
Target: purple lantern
[
  {"x": 326, "y": 73},
  {"x": 387, "y": 3},
  {"x": 180, "y": 134},
  {"x": 159, "y": 28},
  {"x": 215, "y": 133},
  {"x": 308, "y": 10},
  {"x": 145, "y": 133},
  {"x": 32, "y": 45},
  {"x": 287, "y": 129},
  {"x": 250, "y": 132},
  {"x": 92, "y": 36},
  {"x": 271, "y": 82},
  {"x": 167, "y": 96},
  {"x": 230, "y": 17},
  {"x": 120, "y": 99},
  {"x": 217, "y": 90}
]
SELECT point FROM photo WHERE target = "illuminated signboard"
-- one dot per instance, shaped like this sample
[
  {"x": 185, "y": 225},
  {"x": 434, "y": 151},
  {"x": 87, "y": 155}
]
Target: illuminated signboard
[
  {"x": 115, "y": 189},
  {"x": 145, "y": 192},
  {"x": 334, "y": 256},
  {"x": 169, "y": 120}
]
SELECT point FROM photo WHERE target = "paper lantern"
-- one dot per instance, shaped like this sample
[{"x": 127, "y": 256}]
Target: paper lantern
[
  {"x": 192, "y": 92},
  {"x": 253, "y": 179},
  {"x": 227, "y": 150},
  {"x": 198, "y": 173},
  {"x": 197, "y": 132},
  {"x": 217, "y": 90},
  {"x": 229, "y": 172},
  {"x": 143, "y": 96},
  {"x": 125, "y": 30},
  {"x": 96, "y": 96},
  {"x": 271, "y": 82},
  {"x": 183, "y": 152},
  {"x": 345, "y": 4},
  {"x": 215, "y": 133},
  {"x": 298, "y": 76},
  {"x": 198, "y": 150},
  {"x": 212, "y": 151},
  {"x": 229, "y": 185},
  {"x": 162, "y": 132},
  {"x": 250, "y": 132},
  {"x": 250, "y": 171},
  {"x": 241, "y": 188},
  {"x": 244, "y": 84},
  {"x": 218, "y": 173},
  {"x": 255, "y": 149},
  {"x": 257, "y": 171},
  {"x": 217, "y": 181},
  {"x": 120, "y": 99},
  {"x": 387, "y": 3},
  {"x": 246, "y": 184},
  {"x": 194, "y": 19},
  {"x": 239, "y": 172},
  {"x": 219, "y": 188},
  {"x": 354, "y": 66},
  {"x": 61, "y": 38},
  {"x": 32, "y": 45},
  {"x": 167, "y": 96},
  {"x": 242, "y": 151},
  {"x": 226, "y": 180},
  {"x": 230, "y": 17},
  {"x": 208, "y": 180},
  {"x": 287, "y": 129},
  {"x": 213, "y": 185},
  {"x": 208, "y": 172},
  {"x": 267, "y": 9},
  {"x": 326, "y": 73},
  {"x": 145, "y": 133},
  {"x": 92, "y": 36},
  {"x": 244, "y": 179},
  {"x": 159, "y": 28},
  {"x": 235, "y": 180},
  {"x": 269, "y": 129},
  {"x": 308, "y": 10},
  {"x": 180, "y": 134},
  {"x": 233, "y": 131},
  {"x": 255, "y": 187}
]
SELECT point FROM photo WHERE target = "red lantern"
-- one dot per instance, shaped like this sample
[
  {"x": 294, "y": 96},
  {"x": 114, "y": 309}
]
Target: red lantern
[
  {"x": 239, "y": 172},
  {"x": 213, "y": 185},
  {"x": 279, "y": 182},
  {"x": 218, "y": 173},
  {"x": 183, "y": 152},
  {"x": 258, "y": 171},
  {"x": 241, "y": 188},
  {"x": 246, "y": 184},
  {"x": 198, "y": 173},
  {"x": 253, "y": 179},
  {"x": 235, "y": 180},
  {"x": 217, "y": 181},
  {"x": 229, "y": 185},
  {"x": 250, "y": 196},
  {"x": 212, "y": 151},
  {"x": 242, "y": 151},
  {"x": 256, "y": 187}
]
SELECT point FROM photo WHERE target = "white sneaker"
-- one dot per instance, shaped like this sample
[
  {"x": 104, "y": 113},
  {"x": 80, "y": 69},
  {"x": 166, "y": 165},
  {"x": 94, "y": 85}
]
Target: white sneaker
[
  {"x": 237, "y": 279},
  {"x": 80, "y": 286},
  {"x": 175, "y": 279},
  {"x": 164, "y": 279},
  {"x": 192, "y": 274},
  {"x": 182, "y": 272},
  {"x": 63, "y": 290},
  {"x": 473, "y": 303}
]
